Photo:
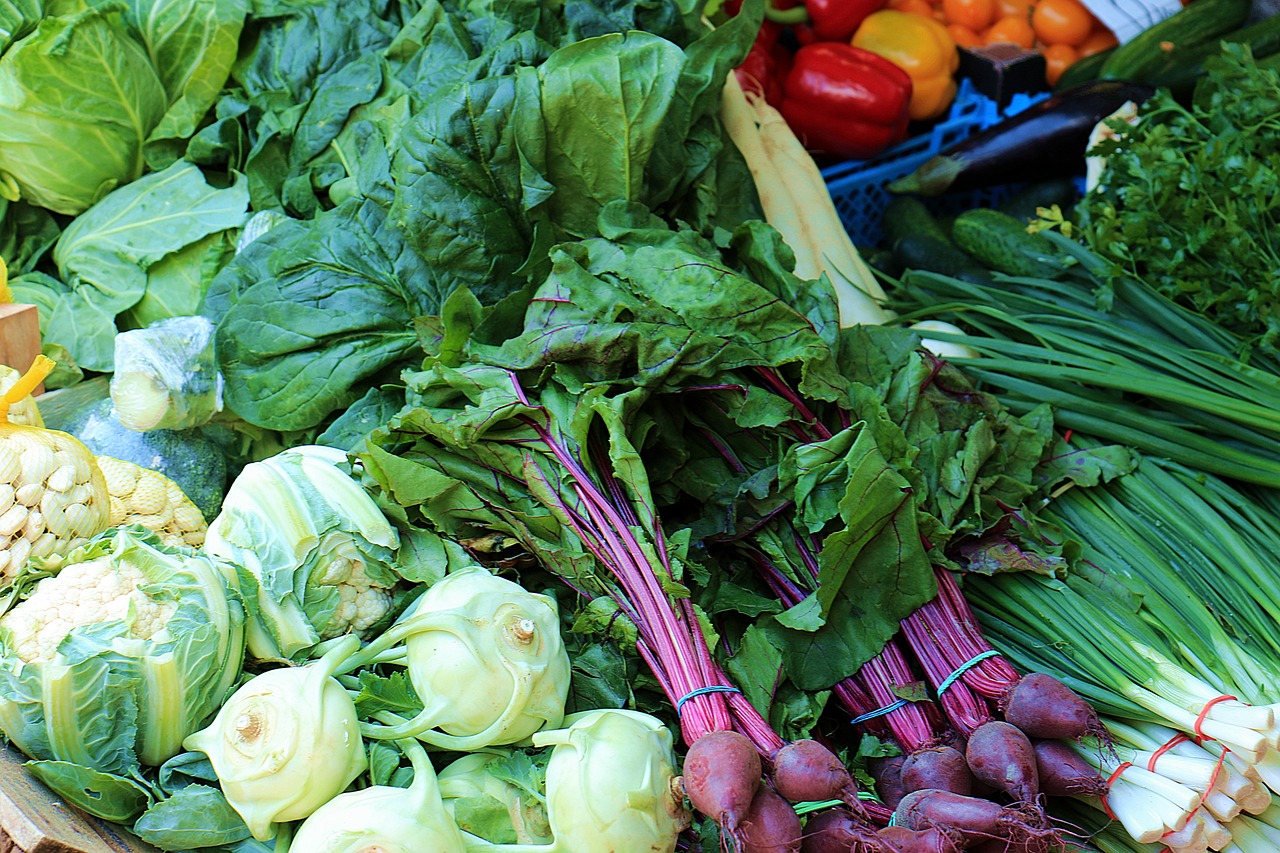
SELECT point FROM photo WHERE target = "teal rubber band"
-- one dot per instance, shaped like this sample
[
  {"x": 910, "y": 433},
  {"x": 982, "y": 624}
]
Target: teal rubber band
[
  {"x": 879, "y": 712},
  {"x": 962, "y": 669},
  {"x": 893, "y": 819},
  {"x": 703, "y": 691}
]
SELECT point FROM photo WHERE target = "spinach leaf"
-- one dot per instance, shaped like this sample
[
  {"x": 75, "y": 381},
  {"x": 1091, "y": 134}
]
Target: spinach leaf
[{"x": 318, "y": 311}]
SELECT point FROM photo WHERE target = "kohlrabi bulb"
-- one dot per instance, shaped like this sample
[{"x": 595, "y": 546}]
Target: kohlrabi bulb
[
  {"x": 384, "y": 819},
  {"x": 285, "y": 743},
  {"x": 512, "y": 813},
  {"x": 486, "y": 657},
  {"x": 609, "y": 784}
]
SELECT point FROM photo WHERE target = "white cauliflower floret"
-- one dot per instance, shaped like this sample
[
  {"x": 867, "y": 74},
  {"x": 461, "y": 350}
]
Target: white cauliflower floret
[
  {"x": 363, "y": 601},
  {"x": 83, "y": 594}
]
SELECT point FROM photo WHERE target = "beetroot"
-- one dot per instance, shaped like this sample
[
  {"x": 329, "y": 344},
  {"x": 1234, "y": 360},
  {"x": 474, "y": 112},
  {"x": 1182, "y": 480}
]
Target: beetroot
[
  {"x": 839, "y": 831},
  {"x": 771, "y": 825},
  {"x": 937, "y": 767},
  {"x": 1044, "y": 707},
  {"x": 722, "y": 776},
  {"x": 806, "y": 771},
  {"x": 931, "y": 840},
  {"x": 1001, "y": 755},
  {"x": 888, "y": 775},
  {"x": 975, "y": 820},
  {"x": 1063, "y": 772}
]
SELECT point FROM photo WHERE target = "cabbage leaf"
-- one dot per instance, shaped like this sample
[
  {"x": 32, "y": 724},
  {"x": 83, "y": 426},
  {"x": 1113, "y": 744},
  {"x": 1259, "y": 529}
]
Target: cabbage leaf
[{"x": 78, "y": 97}]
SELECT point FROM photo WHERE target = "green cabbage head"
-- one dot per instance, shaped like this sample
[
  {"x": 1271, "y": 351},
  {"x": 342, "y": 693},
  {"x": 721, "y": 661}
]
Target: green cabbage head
[
  {"x": 78, "y": 97},
  {"x": 128, "y": 649}
]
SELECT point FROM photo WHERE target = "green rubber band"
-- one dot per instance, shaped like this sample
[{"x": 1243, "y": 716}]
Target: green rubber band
[{"x": 962, "y": 669}]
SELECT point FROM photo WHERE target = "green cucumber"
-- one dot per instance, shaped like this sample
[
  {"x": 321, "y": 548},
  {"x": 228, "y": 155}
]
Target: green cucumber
[
  {"x": 1182, "y": 68},
  {"x": 1196, "y": 24},
  {"x": 919, "y": 242},
  {"x": 1003, "y": 243},
  {"x": 1023, "y": 204},
  {"x": 1083, "y": 70}
]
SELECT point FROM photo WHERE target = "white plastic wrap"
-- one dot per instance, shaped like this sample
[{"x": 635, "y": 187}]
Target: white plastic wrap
[{"x": 167, "y": 375}]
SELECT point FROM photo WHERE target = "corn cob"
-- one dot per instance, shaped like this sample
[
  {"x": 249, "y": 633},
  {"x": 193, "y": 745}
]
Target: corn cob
[{"x": 149, "y": 498}]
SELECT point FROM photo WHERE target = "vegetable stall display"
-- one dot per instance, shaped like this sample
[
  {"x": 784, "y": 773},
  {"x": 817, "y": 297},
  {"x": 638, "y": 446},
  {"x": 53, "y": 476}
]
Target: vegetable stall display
[{"x": 584, "y": 486}]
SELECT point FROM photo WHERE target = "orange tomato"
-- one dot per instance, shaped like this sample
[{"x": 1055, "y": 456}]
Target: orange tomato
[
  {"x": 963, "y": 36},
  {"x": 977, "y": 15},
  {"x": 1011, "y": 29},
  {"x": 1099, "y": 40},
  {"x": 1057, "y": 58},
  {"x": 1061, "y": 22},
  {"x": 1005, "y": 8},
  {"x": 915, "y": 7}
]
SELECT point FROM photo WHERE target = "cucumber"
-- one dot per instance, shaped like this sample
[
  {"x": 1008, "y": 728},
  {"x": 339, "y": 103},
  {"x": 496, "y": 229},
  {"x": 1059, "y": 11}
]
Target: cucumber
[
  {"x": 1002, "y": 243},
  {"x": 1083, "y": 70},
  {"x": 1200, "y": 22},
  {"x": 1181, "y": 68},
  {"x": 919, "y": 242},
  {"x": 1022, "y": 205}
]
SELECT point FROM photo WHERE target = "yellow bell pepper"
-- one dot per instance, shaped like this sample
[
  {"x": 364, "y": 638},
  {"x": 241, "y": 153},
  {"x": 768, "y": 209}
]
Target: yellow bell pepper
[{"x": 920, "y": 46}]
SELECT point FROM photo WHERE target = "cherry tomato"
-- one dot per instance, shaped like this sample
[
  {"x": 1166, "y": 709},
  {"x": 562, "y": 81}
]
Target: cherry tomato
[
  {"x": 914, "y": 7},
  {"x": 1057, "y": 58},
  {"x": 1061, "y": 22},
  {"x": 1099, "y": 40},
  {"x": 977, "y": 15},
  {"x": 1011, "y": 29},
  {"x": 963, "y": 36},
  {"x": 1005, "y": 8}
]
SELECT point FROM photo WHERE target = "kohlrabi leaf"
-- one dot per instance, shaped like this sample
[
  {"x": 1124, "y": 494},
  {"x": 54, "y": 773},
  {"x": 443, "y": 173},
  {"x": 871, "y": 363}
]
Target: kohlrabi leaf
[
  {"x": 103, "y": 795},
  {"x": 192, "y": 45},
  {"x": 192, "y": 817},
  {"x": 78, "y": 96},
  {"x": 105, "y": 255}
]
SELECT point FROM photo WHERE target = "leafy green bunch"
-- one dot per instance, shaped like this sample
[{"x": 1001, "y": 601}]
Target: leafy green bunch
[{"x": 1190, "y": 200}]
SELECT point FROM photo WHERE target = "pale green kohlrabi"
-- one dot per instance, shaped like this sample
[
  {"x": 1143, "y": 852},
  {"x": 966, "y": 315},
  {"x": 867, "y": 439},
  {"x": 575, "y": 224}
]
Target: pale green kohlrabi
[
  {"x": 383, "y": 818},
  {"x": 498, "y": 795},
  {"x": 610, "y": 785},
  {"x": 110, "y": 663},
  {"x": 78, "y": 98},
  {"x": 285, "y": 743},
  {"x": 320, "y": 547},
  {"x": 485, "y": 656}
]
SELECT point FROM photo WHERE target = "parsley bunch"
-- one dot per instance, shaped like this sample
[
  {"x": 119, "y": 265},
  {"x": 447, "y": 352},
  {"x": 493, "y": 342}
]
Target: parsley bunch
[{"x": 1190, "y": 201}]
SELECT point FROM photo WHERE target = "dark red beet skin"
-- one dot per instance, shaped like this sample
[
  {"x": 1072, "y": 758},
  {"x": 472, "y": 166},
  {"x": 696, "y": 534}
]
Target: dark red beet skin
[
  {"x": 888, "y": 775},
  {"x": 1044, "y": 707},
  {"x": 904, "y": 840},
  {"x": 971, "y": 817},
  {"x": 806, "y": 771},
  {"x": 1063, "y": 772},
  {"x": 771, "y": 825},
  {"x": 937, "y": 767},
  {"x": 1001, "y": 755},
  {"x": 838, "y": 831},
  {"x": 721, "y": 777}
]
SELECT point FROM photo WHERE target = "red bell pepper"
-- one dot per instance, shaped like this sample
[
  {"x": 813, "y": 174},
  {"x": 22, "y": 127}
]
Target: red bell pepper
[
  {"x": 846, "y": 102},
  {"x": 836, "y": 20}
]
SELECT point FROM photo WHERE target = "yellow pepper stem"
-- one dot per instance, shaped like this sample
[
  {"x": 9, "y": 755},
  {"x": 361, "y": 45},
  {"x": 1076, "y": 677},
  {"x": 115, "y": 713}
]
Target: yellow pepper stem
[
  {"x": 40, "y": 368},
  {"x": 6, "y": 295}
]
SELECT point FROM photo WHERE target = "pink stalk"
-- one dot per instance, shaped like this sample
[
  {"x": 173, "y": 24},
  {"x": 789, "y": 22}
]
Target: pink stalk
[
  {"x": 671, "y": 641},
  {"x": 963, "y": 706},
  {"x": 914, "y": 725}
]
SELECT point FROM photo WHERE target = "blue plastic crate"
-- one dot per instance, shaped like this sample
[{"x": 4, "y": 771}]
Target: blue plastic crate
[{"x": 859, "y": 187}]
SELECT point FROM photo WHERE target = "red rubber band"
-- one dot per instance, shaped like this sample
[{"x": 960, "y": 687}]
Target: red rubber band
[
  {"x": 1217, "y": 768},
  {"x": 1172, "y": 742},
  {"x": 1110, "y": 779},
  {"x": 1204, "y": 712}
]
